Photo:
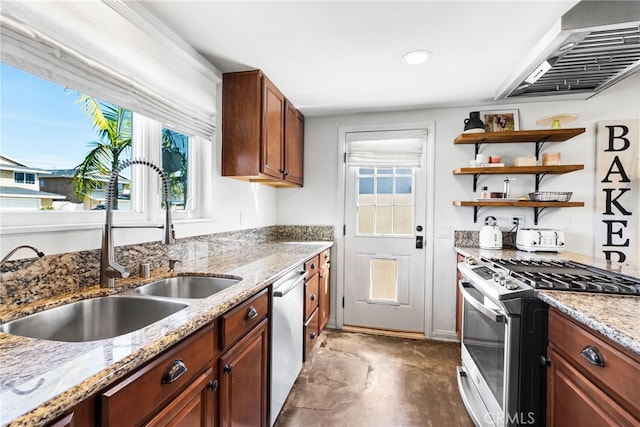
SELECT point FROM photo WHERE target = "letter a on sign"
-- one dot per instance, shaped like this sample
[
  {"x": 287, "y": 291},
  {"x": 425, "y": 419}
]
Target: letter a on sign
[{"x": 617, "y": 191}]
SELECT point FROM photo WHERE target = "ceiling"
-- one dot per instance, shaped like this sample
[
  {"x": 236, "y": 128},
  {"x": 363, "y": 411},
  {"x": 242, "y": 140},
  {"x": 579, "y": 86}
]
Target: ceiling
[{"x": 331, "y": 57}]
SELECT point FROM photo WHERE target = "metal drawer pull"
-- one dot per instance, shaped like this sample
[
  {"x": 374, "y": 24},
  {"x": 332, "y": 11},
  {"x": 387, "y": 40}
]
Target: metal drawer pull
[
  {"x": 592, "y": 355},
  {"x": 252, "y": 313},
  {"x": 174, "y": 371}
]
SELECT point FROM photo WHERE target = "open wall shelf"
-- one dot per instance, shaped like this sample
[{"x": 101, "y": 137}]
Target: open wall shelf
[{"x": 539, "y": 137}]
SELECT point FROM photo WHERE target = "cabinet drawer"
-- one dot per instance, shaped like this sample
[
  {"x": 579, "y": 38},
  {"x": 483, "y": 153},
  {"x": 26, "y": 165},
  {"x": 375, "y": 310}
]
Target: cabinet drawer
[
  {"x": 312, "y": 266},
  {"x": 239, "y": 320},
  {"x": 311, "y": 331},
  {"x": 311, "y": 288},
  {"x": 325, "y": 258},
  {"x": 141, "y": 394},
  {"x": 620, "y": 374}
]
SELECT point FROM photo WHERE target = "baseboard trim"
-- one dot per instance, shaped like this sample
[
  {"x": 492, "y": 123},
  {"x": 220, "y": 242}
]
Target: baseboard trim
[
  {"x": 441, "y": 335},
  {"x": 385, "y": 332}
]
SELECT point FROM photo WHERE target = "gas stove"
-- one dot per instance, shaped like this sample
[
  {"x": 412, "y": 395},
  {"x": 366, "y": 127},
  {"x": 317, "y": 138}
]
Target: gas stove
[{"x": 566, "y": 276}]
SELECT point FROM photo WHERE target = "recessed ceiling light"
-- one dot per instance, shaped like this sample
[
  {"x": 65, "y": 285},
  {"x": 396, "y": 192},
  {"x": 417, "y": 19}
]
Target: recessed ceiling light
[{"x": 416, "y": 57}]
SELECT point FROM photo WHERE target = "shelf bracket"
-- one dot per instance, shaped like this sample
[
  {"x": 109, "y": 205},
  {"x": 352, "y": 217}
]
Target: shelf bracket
[
  {"x": 475, "y": 182},
  {"x": 539, "y": 177},
  {"x": 475, "y": 214},
  {"x": 477, "y": 145},
  {"x": 536, "y": 214},
  {"x": 539, "y": 145}
]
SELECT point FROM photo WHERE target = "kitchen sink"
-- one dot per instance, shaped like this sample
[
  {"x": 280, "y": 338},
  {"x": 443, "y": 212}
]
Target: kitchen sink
[
  {"x": 191, "y": 287},
  {"x": 93, "y": 319}
]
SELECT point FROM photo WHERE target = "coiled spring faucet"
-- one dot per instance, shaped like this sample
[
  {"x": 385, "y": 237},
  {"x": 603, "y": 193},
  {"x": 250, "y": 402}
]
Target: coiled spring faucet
[{"x": 109, "y": 268}]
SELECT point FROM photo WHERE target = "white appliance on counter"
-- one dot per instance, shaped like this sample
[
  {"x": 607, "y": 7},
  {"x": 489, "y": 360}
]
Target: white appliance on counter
[
  {"x": 490, "y": 236},
  {"x": 540, "y": 240},
  {"x": 287, "y": 336}
]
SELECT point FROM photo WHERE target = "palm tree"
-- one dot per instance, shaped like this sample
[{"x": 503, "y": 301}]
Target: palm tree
[
  {"x": 174, "y": 162},
  {"x": 113, "y": 125}
]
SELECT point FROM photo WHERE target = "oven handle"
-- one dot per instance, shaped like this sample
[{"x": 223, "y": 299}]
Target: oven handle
[{"x": 491, "y": 314}]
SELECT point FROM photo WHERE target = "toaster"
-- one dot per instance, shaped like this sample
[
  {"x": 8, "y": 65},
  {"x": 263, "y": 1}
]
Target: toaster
[{"x": 540, "y": 240}]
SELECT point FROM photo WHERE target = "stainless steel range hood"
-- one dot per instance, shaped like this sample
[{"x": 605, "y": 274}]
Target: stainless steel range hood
[{"x": 593, "y": 46}]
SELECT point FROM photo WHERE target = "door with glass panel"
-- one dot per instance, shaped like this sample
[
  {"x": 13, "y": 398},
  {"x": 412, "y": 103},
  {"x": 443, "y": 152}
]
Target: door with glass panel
[{"x": 384, "y": 228}]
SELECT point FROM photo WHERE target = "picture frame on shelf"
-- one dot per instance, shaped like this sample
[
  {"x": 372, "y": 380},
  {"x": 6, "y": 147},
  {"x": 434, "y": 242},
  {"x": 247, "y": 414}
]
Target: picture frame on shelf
[{"x": 500, "y": 120}]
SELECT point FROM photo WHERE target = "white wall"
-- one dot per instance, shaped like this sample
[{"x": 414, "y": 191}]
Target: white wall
[{"x": 317, "y": 202}]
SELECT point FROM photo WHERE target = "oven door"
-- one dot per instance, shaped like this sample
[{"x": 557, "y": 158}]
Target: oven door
[{"x": 487, "y": 358}]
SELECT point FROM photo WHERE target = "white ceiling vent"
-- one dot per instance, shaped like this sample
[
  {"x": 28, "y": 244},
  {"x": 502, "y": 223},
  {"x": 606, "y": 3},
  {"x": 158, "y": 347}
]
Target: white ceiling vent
[{"x": 593, "y": 46}]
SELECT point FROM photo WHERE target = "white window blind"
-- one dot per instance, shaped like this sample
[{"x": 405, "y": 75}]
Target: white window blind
[
  {"x": 386, "y": 149},
  {"x": 116, "y": 52}
]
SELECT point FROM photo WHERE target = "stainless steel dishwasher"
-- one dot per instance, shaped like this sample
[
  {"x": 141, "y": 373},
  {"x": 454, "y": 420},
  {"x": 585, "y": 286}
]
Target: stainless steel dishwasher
[{"x": 287, "y": 336}]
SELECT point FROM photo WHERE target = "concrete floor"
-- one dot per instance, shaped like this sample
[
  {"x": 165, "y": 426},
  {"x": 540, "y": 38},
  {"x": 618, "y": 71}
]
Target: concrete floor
[{"x": 363, "y": 380}]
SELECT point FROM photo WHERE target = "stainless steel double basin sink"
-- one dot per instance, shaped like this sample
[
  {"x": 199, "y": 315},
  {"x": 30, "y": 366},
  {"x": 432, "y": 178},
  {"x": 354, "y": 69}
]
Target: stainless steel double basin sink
[{"x": 108, "y": 317}]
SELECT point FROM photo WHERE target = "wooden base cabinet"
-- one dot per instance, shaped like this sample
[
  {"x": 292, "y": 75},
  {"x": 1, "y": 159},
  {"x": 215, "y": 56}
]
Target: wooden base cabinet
[
  {"x": 194, "y": 407},
  {"x": 243, "y": 380},
  {"x": 324, "y": 302},
  {"x": 590, "y": 381}
]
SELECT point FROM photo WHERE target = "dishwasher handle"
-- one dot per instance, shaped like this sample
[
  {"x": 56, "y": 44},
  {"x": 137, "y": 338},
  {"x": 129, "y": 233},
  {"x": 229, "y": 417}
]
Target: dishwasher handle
[{"x": 289, "y": 285}]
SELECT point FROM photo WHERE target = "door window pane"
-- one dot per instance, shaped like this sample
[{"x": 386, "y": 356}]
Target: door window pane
[
  {"x": 386, "y": 202},
  {"x": 384, "y": 279}
]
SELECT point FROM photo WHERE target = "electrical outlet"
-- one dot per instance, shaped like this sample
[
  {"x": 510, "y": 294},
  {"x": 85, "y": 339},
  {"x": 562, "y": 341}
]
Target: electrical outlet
[{"x": 517, "y": 220}]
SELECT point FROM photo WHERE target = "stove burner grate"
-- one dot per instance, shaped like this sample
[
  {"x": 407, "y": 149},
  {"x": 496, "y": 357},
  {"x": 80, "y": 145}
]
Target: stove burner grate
[{"x": 568, "y": 276}]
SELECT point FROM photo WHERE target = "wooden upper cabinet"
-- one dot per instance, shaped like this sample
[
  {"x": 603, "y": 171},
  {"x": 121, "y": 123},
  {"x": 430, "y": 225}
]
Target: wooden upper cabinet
[
  {"x": 262, "y": 133},
  {"x": 273, "y": 131},
  {"x": 293, "y": 145}
]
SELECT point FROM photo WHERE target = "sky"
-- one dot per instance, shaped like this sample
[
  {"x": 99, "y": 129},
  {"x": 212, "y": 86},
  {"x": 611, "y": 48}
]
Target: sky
[{"x": 40, "y": 123}]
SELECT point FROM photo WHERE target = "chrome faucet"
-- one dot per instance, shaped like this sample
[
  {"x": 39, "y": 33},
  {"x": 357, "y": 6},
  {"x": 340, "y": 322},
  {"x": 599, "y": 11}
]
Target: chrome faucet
[
  {"x": 16, "y": 249},
  {"x": 109, "y": 268}
]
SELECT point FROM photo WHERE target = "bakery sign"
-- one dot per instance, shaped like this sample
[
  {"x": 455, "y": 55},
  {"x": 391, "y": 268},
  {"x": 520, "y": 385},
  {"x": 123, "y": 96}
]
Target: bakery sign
[{"x": 617, "y": 191}]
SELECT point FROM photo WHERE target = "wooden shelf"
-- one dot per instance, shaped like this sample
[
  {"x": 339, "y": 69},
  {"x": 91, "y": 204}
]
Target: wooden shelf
[
  {"x": 538, "y": 207},
  {"x": 538, "y": 135},
  {"x": 512, "y": 170},
  {"x": 518, "y": 203}
]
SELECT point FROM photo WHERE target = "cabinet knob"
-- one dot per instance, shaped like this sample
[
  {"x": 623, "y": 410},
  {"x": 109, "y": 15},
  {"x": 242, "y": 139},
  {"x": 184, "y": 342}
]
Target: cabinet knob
[
  {"x": 228, "y": 368},
  {"x": 174, "y": 370},
  {"x": 313, "y": 265},
  {"x": 252, "y": 313},
  {"x": 286, "y": 172},
  {"x": 312, "y": 297},
  {"x": 212, "y": 385},
  {"x": 313, "y": 335},
  {"x": 592, "y": 355}
]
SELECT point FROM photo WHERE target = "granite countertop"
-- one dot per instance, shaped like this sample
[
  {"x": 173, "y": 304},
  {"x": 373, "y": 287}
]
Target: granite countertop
[
  {"x": 40, "y": 379},
  {"x": 616, "y": 317}
]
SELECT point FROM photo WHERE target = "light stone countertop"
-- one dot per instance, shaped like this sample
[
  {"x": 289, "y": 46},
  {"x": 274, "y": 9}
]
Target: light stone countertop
[
  {"x": 616, "y": 317},
  {"x": 40, "y": 379}
]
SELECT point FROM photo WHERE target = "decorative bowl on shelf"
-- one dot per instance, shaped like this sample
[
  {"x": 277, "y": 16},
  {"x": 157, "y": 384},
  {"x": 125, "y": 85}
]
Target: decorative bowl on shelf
[{"x": 550, "y": 196}]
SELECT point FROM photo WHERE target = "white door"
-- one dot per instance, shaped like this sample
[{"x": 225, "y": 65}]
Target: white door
[{"x": 384, "y": 269}]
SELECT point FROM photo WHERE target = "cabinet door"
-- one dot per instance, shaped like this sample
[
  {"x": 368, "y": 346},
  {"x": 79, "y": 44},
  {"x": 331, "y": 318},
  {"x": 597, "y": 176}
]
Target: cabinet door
[
  {"x": 195, "y": 406},
  {"x": 243, "y": 380},
  {"x": 272, "y": 131},
  {"x": 324, "y": 303},
  {"x": 460, "y": 258},
  {"x": 573, "y": 400},
  {"x": 293, "y": 145}
]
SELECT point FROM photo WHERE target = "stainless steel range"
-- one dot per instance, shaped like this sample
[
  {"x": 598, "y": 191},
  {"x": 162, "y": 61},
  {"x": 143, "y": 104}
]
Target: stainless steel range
[{"x": 504, "y": 332}]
